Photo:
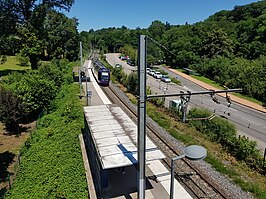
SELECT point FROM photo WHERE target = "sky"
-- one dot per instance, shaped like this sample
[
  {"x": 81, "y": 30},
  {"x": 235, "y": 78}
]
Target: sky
[{"x": 98, "y": 14}]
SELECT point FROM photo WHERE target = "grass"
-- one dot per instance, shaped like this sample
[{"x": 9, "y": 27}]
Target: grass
[
  {"x": 237, "y": 171},
  {"x": 12, "y": 64},
  {"x": 218, "y": 86}
]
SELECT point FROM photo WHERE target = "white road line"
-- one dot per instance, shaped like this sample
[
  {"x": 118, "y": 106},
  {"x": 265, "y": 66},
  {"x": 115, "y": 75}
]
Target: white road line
[{"x": 97, "y": 87}]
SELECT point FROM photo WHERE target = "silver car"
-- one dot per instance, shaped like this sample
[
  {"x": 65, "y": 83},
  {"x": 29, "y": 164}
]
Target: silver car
[{"x": 165, "y": 79}]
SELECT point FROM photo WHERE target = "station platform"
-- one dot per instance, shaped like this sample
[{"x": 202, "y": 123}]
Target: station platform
[{"x": 112, "y": 138}]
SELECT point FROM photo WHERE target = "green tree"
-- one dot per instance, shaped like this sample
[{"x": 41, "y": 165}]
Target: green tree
[
  {"x": 11, "y": 110},
  {"x": 30, "y": 15},
  {"x": 217, "y": 43},
  {"x": 61, "y": 38}
]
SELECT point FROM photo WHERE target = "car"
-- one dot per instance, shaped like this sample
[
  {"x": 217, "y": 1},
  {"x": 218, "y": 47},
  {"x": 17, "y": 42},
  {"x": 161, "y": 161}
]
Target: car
[
  {"x": 130, "y": 62},
  {"x": 118, "y": 66},
  {"x": 151, "y": 72},
  {"x": 165, "y": 79},
  {"x": 148, "y": 70},
  {"x": 157, "y": 75},
  {"x": 123, "y": 57}
]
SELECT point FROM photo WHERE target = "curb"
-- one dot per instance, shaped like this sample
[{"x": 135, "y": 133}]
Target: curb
[{"x": 233, "y": 98}]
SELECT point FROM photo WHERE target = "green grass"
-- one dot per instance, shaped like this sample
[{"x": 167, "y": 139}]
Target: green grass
[
  {"x": 12, "y": 64},
  {"x": 216, "y": 156},
  {"x": 51, "y": 162}
]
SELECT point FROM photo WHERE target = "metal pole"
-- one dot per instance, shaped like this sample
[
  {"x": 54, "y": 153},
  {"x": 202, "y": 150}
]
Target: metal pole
[
  {"x": 172, "y": 180},
  {"x": 142, "y": 62},
  {"x": 80, "y": 46},
  {"x": 195, "y": 93},
  {"x": 87, "y": 97},
  {"x": 173, "y": 174}
]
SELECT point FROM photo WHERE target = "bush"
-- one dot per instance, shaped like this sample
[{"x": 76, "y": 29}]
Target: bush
[
  {"x": 224, "y": 132},
  {"x": 23, "y": 61},
  {"x": 3, "y": 59},
  {"x": 52, "y": 166},
  {"x": 132, "y": 83},
  {"x": 11, "y": 110}
]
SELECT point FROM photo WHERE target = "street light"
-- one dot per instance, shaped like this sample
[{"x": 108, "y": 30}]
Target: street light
[{"x": 193, "y": 152}]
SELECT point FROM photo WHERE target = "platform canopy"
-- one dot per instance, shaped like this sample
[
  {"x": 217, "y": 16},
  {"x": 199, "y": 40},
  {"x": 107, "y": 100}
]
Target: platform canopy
[{"x": 115, "y": 136}]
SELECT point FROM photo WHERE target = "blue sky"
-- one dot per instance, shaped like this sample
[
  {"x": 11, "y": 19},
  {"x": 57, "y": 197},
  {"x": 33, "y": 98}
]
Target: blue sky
[{"x": 98, "y": 14}]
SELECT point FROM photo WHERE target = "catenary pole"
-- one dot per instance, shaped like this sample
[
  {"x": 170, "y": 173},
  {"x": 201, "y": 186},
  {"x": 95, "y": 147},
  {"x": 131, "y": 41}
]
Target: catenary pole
[{"x": 142, "y": 62}]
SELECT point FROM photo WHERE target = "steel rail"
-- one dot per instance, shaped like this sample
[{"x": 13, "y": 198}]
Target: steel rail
[{"x": 218, "y": 192}]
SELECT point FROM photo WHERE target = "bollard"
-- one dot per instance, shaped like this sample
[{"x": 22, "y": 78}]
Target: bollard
[{"x": 264, "y": 156}]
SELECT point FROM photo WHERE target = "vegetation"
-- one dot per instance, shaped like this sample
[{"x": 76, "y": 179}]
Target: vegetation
[
  {"x": 30, "y": 92},
  {"x": 51, "y": 162},
  {"x": 36, "y": 30},
  {"x": 228, "y": 47},
  {"x": 223, "y": 132},
  {"x": 236, "y": 157}
]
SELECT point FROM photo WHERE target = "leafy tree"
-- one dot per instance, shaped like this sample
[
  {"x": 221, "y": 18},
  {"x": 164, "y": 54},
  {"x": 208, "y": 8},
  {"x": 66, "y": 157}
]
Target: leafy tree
[
  {"x": 61, "y": 38},
  {"x": 11, "y": 110},
  {"x": 31, "y": 47},
  {"x": 217, "y": 43},
  {"x": 157, "y": 29},
  {"x": 30, "y": 15}
]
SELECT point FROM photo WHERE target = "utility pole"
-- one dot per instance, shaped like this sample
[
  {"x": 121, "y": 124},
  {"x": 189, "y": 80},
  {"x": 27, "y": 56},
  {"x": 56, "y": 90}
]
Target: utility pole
[
  {"x": 185, "y": 97},
  {"x": 80, "y": 46},
  {"x": 142, "y": 63}
]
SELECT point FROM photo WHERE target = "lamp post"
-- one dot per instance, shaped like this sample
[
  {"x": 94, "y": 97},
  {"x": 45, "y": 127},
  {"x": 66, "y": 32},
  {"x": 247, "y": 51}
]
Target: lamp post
[{"x": 193, "y": 152}]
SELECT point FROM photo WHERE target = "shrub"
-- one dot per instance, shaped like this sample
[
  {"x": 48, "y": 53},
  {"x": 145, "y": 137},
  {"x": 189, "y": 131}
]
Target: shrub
[
  {"x": 3, "y": 59},
  {"x": 51, "y": 164},
  {"x": 224, "y": 132},
  {"x": 11, "y": 110},
  {"x": 23, "y": 61}
]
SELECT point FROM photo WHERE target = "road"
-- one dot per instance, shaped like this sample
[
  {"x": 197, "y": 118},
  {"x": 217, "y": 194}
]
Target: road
[{"x": 249, "y": 122}]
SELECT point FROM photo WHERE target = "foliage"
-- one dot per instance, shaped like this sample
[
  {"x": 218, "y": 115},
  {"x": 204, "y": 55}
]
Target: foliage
[
  {"x": 227, "y": 47},
  {"x": 36, "y": 89},
  {"x": 61, "y": 36},
  {"x": 3, "y": 59},
  {"x": 51, "y": 165},
  {"x": 224, "y": 133},
  {"x": 23, "y": 61},
  {"x": 36, "y": 28},
  {"x": 11, "y": 110},
  {"x": 132, "y": 83}
]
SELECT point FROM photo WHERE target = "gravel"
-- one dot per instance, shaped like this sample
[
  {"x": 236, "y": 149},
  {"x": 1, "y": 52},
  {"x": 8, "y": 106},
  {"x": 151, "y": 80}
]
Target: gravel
[{"x": 225, "y": 183}]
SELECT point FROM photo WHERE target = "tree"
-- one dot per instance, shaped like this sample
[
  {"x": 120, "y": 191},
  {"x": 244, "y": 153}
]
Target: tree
[
  {"x": 61, "y": 36},
  {"x": 217, "y": 43},
  {"x": 11, "y": 110},
  {"x": 30, "y": 15}
]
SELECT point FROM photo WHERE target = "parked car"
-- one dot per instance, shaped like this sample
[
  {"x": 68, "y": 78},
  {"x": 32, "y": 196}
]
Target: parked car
[
  {"x": 151, "y": 72},
  {"x": 118, "y": 66},
  {"x": 131, "y": 62},
  {"x": 148, "y": 70},
  {"x": 165, "y": 79},
  {"x": 124, "y": 57},
  {"x": 157, "y": 75}
]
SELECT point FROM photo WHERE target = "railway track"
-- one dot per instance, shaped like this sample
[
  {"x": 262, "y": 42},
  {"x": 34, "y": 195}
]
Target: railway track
[{"x": 193, "y": 180}]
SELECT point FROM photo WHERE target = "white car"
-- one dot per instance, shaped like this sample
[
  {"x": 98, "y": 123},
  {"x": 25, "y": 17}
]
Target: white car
[
  {"x": 165, "y": 79},
  {"x": 157, "y": 75},
  {"x": 151, "y": 72}
]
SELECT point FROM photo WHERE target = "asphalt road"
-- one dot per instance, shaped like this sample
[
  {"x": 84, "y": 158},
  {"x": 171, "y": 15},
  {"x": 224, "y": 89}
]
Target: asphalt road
[{"x": 248, "y": 121}]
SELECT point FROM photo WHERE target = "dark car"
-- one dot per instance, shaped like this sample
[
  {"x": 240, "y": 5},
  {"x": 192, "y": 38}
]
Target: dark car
[{"x": 131, "y": 62}]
